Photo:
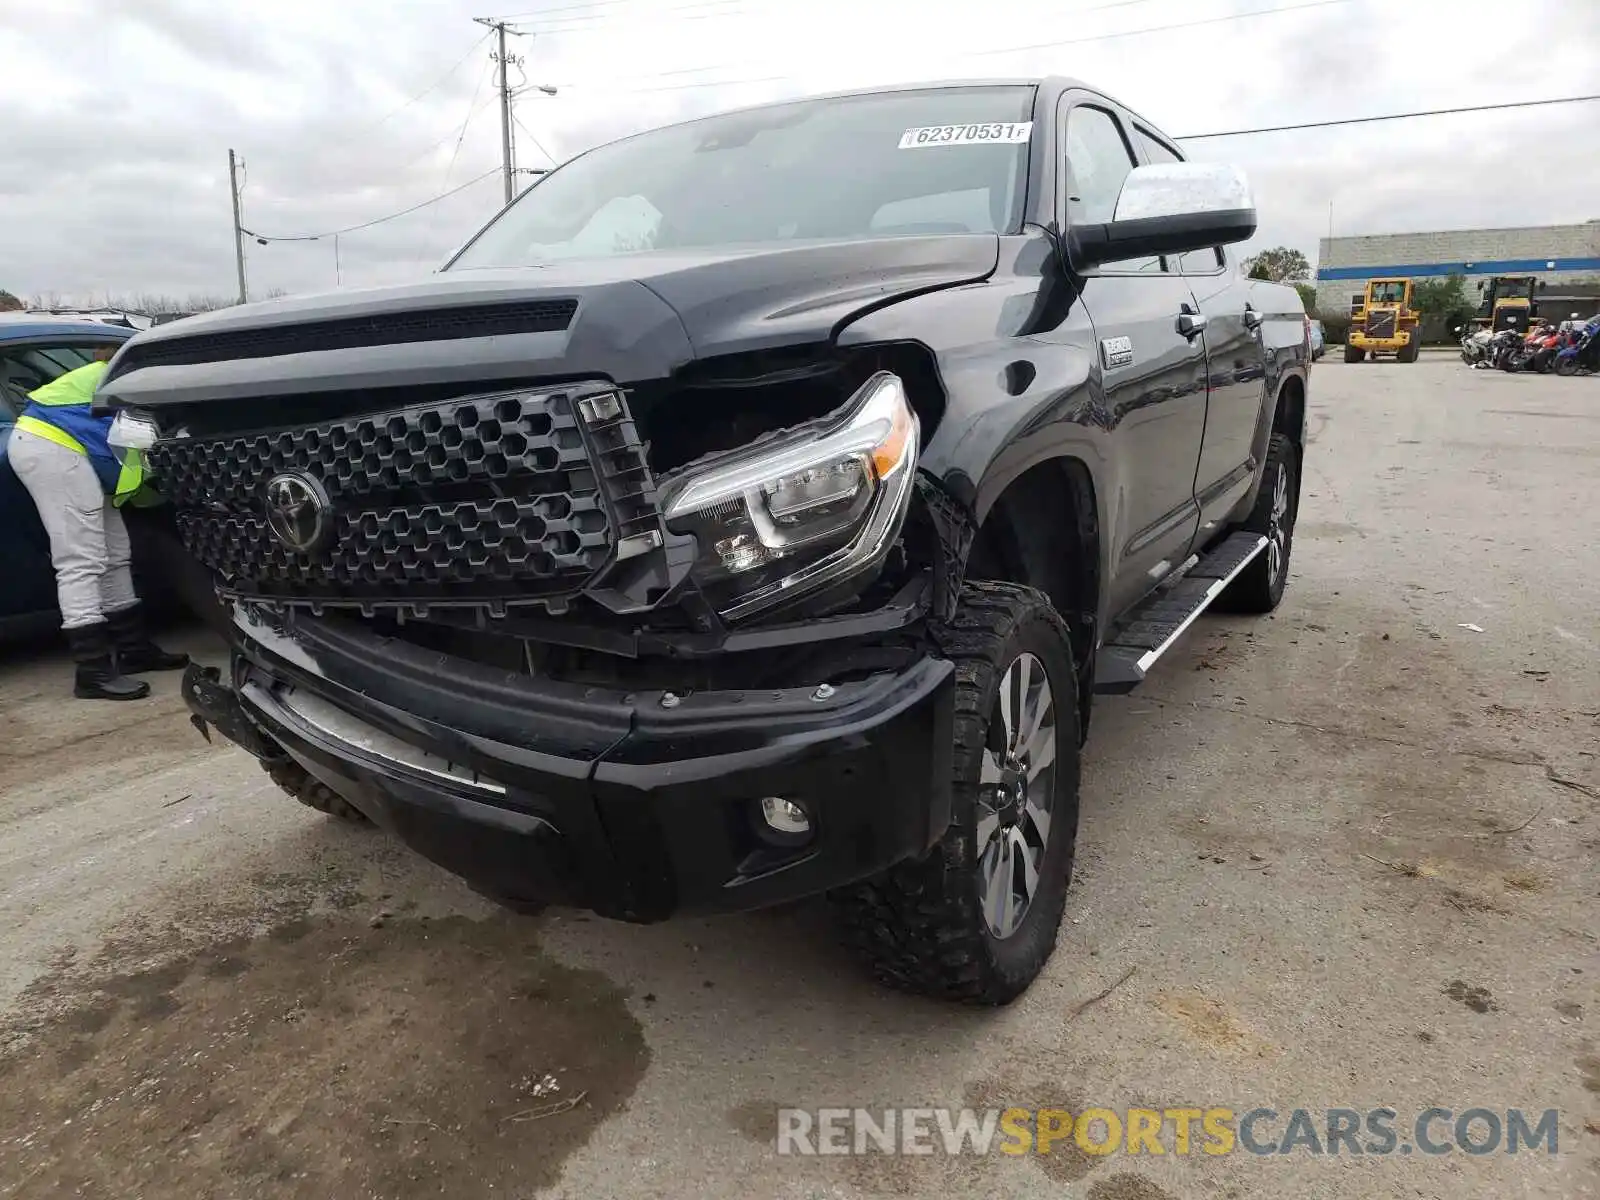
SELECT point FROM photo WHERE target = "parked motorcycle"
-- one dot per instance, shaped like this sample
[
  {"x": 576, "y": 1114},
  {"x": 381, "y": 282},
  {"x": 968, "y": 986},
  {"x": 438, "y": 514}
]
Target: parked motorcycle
[
  {"x": 1537, "y": 350},
  {"x": 1474, "y": 344},
  {"x": 1582, "y": 356},
  {"x": 1503, "y": 347}
]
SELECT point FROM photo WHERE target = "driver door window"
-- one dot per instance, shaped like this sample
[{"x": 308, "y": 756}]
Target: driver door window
[{"x": 1098, "y": 161}]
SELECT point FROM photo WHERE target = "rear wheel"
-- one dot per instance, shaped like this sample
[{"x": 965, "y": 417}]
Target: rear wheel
[
  {"x": 1259, "y": 587},
  {"x": 1353, "y": 354},
  {"x": 1566, "y": 366},
  {"x": 976, "y": 918}
]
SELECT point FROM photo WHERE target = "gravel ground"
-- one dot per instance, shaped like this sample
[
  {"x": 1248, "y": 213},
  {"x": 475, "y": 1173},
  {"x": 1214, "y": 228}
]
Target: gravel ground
[{"x": 1344, "y": 856}]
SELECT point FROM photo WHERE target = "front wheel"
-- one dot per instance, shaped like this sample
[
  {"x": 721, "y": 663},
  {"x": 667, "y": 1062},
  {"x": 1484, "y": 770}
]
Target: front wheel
[
  {"x": 975, "y": 919},
  {"x": 1566, "y": 366}
]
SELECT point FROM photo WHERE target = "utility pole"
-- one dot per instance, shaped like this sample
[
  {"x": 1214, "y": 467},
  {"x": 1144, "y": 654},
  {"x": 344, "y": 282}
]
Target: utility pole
[
  {"x": 505, "y": 62},
  {"x": 238, "y": 230}
]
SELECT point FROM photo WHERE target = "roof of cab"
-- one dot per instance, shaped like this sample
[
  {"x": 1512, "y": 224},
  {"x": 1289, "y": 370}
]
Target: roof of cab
[{"x": 18, "y": 327}]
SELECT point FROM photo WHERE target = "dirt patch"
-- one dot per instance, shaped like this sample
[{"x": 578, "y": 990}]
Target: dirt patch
[
  {"x": 1589, "y": 1065},
  {"x": 1467, "y": 902},
  {"x": 326, "y": 1058},
  {"x": 1524, "y": 881},
  {"x": 1328, "y": 529},
  {"x": 35, "y": 748},
  {"x": 1127, "y": 1187},
  {"x": 1208, "y": 1022}
]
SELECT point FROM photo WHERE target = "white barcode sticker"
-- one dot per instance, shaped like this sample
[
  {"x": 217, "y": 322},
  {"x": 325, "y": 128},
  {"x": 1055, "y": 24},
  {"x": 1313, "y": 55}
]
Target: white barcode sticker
[{"x": 1011, "y": 132}]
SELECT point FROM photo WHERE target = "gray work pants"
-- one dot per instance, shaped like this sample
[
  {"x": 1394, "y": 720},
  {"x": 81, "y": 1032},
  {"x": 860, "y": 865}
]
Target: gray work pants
[{"x": 88, "y": 541}]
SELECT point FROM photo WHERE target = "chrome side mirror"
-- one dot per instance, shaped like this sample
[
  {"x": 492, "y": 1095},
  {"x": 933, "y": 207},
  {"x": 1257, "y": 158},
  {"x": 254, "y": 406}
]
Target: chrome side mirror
[{"x": 1169, "y": 208}]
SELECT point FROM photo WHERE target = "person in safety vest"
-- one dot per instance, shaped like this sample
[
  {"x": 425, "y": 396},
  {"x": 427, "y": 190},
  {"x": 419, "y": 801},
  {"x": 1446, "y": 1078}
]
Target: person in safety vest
[{"x": 59, "y": 451}]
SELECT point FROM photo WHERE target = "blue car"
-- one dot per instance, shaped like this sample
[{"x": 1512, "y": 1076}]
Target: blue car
[
  {"x": 33, "y": 351},
  {"x": 1319, "y": 341}
]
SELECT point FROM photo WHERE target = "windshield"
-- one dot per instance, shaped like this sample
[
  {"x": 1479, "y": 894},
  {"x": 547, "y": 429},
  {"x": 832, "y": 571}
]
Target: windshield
[
  {"x": 947, "y": 160},
  {"x": 1388, "y": 293}
]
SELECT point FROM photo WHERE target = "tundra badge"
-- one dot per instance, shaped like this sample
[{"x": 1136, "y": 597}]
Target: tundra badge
[{"x": 1116, "y": 352}]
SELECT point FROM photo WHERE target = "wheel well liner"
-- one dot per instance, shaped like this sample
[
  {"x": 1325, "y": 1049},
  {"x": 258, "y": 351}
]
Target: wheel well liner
[
  {"x": 1059, "y": 555},
  {"x": 1289, "y": 414}
]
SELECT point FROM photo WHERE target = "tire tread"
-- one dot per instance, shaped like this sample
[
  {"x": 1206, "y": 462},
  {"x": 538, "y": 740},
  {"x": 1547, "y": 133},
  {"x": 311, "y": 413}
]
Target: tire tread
[
  {"x": 312, "y": 792},
  {"x": 917, "y": 925}
]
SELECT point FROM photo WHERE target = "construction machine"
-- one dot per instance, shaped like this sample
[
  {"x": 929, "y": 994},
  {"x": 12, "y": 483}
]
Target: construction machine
[
  {"x": 1508, "y": 302},
  {"x": 1388, "y": 324}
]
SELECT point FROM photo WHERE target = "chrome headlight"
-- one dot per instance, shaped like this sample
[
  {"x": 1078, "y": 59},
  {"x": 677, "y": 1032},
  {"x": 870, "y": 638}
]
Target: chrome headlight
[{"x": 814, "y": 507}]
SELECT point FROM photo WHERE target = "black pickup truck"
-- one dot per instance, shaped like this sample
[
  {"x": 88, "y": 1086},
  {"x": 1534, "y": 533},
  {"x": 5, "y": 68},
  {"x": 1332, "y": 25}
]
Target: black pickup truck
[{"x": 750, "y": 511}]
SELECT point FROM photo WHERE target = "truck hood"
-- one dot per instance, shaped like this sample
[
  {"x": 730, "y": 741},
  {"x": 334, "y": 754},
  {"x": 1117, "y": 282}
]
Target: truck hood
[{"x": 629, "y": 318}]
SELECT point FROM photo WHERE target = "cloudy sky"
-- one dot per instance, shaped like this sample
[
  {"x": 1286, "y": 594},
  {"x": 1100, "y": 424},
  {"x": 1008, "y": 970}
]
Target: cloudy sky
[{"x": 118, "y": 114}]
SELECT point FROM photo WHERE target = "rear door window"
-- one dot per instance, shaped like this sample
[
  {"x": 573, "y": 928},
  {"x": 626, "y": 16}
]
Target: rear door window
[{"x": 25, "y": 369}]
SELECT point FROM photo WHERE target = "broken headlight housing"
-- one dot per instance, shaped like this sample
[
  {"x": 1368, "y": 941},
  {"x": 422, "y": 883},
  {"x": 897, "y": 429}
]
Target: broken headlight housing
[{"x": 807, "y": 509}]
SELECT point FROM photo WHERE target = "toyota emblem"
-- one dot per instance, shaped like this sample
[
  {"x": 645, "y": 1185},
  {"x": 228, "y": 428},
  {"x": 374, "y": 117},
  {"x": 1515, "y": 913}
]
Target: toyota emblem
[{"x": 297, "y": 511}]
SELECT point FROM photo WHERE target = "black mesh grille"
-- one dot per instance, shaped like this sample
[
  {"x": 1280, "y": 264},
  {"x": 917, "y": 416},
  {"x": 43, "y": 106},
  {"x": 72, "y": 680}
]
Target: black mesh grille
[
  {"x": 483, "y": 496},
  {"x": 1381, "y": 323},
  {"x": 387, "y": 329}
]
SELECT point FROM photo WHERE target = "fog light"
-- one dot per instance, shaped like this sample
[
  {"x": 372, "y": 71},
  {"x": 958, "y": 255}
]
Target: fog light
[{"x": 785, "y": 817}]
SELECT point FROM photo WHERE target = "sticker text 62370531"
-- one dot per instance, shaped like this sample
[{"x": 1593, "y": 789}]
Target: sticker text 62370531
[{"x": 966, "y": 135}]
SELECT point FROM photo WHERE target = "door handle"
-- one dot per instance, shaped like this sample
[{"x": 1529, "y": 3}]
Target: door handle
[
  {"x": 1252, "y": 319},
  {"x": 1191, "y": 323}
]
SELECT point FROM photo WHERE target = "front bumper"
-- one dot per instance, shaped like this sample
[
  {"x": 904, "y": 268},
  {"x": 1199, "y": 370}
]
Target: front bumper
[
  {"x": 537, "y": 791},
  {"x": 1379, "y": 345}
]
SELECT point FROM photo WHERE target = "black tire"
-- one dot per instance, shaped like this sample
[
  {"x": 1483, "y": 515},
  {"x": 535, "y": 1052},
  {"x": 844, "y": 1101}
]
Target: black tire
[
  {"x": 1410, "y": 351},
  {"x": 920, "y": 926},
  {"x": 1566, "y": 366},
  {"x": 1353, "y": 355},
  {"x": 1259, "y": 587},
  {"x": 312, "y": 792}
]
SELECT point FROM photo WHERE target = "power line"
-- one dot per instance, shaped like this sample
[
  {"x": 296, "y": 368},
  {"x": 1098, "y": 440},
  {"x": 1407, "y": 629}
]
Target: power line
[
  {"x": 1093, "y": 8},
  {"x": 311, "y": 237},
  {"x": 1099, "y": 37},
  {"x": 537, "y": 143},
  {"x": 1405, "y": 116},
  {"x": 575, "y": 17},
  {"x": 1107, "y": 37},
  {"x": 586, "y": 12},
  {"x": 452, "y": 132},
  {"x": 473, "y": 109},
  {"x": 454, "y": 67}
]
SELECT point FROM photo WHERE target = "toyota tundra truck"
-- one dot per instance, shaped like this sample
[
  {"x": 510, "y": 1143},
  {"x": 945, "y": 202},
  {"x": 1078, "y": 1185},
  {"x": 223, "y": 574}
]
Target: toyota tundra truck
[{"x": 751, "y": 511}]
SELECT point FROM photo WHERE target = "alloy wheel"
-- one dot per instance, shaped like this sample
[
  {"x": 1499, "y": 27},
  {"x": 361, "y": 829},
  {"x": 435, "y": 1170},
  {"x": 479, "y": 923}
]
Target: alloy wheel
[
  {"x": 1277, "y": 526},
  {"x": 1016, "y": 788}
]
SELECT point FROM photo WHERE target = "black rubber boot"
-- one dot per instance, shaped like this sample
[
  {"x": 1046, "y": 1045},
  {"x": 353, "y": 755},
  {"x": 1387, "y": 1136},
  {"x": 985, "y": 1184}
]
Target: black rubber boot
[
  {"x": 135, "y": 652},
  {"x": 98, "y": 678}
]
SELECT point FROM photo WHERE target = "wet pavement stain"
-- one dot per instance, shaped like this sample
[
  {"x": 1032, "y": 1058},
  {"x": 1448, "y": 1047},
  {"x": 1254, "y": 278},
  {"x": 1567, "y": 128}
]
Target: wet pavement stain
[
  {"x": 423, "y": 1058},
  {"x": 1127, "y": 1187},
  {"x": 1477, "y": 999},
  {"x": 757, "y": 1120}
]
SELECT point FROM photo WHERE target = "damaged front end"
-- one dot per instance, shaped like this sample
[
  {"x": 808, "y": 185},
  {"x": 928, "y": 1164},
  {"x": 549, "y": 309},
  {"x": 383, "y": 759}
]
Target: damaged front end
[{"x": 578, "y": 643}]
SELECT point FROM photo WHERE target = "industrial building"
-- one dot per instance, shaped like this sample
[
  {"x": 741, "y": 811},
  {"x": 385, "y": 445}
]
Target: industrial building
[{"x": 1564, "y": 259}]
